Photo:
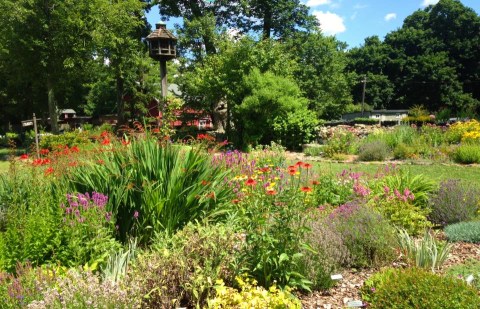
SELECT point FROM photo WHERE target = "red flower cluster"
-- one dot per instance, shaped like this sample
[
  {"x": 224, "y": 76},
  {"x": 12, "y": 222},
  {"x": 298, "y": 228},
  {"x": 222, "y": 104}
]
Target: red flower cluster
[
  {"x": 38, "y": 162},
  {"x": 205, "y": 137}
]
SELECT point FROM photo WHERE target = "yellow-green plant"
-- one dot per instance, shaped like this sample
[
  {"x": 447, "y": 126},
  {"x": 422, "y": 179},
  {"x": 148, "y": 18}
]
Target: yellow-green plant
[
  {"x": 250, "y": 296},
  {"x": 426, "y": 252}
]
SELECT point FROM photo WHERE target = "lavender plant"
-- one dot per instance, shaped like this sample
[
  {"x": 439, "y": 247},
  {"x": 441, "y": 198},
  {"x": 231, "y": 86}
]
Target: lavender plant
[{"x": 454, "y": 202}]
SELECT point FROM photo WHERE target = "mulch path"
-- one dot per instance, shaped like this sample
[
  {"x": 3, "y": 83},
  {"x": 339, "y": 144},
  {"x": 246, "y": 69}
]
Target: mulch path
[{"x": 348, "y": 288}]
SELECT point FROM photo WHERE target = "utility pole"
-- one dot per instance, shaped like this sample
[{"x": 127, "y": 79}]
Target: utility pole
[{"x": 363, "y": 93}]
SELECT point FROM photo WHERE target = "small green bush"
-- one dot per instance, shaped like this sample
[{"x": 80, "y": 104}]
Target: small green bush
[
  {"x": 464, "y": 231},
  {"x": 463, "y": 271},
  {"x": 416, "y": 288},
  {"x": 467, "y": 154},
  {"x": 403, "y": 151},
  {"x": 66, "y": 139},
  {"x": 373, "y": 151}
]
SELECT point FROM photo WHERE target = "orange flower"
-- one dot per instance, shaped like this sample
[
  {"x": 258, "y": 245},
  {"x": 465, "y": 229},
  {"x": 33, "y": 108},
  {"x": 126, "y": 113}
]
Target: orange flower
[
  {"x": 49, "y": 171},
  {"x": 204, "y": 182},
  {"x": 264, "y": 170},
  {"x": 235, "y": 201},
  {"x": 299, "y": 163},
  {"x": 156, "y": 130},
  {"x": 292, "y": 170},
  {"x": 315, "y": 182},
  {"x": 271, "y": 192},
  {"x": 211, "y": 195},
  {"x": 306, "y": 189},
  {"x": 75, "y": 149},
  {"x": 106, "y": 141}
]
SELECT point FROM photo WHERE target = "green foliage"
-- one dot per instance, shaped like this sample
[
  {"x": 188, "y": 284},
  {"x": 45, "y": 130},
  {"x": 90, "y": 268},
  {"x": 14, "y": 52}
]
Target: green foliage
[
  {"x": 331, "y": 191},
  {"x": 313, "y": 150},
  {"x": 274, "y": 237},
  {"x": 467, "y": 154},
  {"x": 373, "y": 151},
  {"x": 464, "y": 231},
  {"x": 282, "y": 97},
  {"x": 424, "y": 253},
  {"x": 152, "y": 188},
  {"x": 183, "y": 268},
  {"x": 367, "y": 235},
  {"x": 403, "y": 151},
  {"x": 296, "y": 128},
  {"x": 55, "y": 142},
  {"x": 463, "y": 271},
  {"x": 119, "y": 262},
  {"x": 416, "y": 288},
  {"x": 370, "y": 121},
  {"x": 342, "y": 142},
  {"x": 251, "y": 296}
]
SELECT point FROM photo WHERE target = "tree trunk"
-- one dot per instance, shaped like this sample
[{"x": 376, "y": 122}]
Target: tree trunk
[
  {"x": 52, "y": 106},
  {"x": 267, "y": 22},
  {"x": 120, "y": 103}
]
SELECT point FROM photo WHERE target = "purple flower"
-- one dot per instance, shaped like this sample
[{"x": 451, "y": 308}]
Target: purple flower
[{"x": 135, "y": 215}]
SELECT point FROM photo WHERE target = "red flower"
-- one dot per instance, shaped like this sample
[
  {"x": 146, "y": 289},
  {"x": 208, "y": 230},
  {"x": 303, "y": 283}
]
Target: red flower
[
  {"x": 299, "y": 163},
  {"x": 156, "y": 130},
  {"x": 49, "y": 171},
  {"x": 24, "y": 156},
  {"x": 104, "y": 134},
  {"x": 264, "y": 170},
  {"x": 315, "y": 182},
  {"x": 75, "y": 149},
  {"x": 106, "y": 141},
  {"x": 306, "y": 189},
  {"x": 37, "y": 162},
  {"x": 211, "y": 195},
  {"x": 250, "y": 182},
  {"x": 235, "y": 201},
  {"x": 44, "y": 151},
  {"x": 204, "y": 182},
  {"x": 307, "y": 165},
  {"x": 45, "y": 161}
]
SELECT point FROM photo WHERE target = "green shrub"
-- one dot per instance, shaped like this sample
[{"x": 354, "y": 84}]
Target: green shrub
[
  {"x": 69, "y": 139},
  {"x": 454, "y": 202},
  {"x": 369, "y": 237},
  {"x": 424, "y": 253},
  {"x": 253, "y": 297},
  {"x": 152, "y": 188},
  {"x": 182, "y": 269},
  {"x": 463, "y": 271},
  {"x": 403, "y": 151},
  {"x": 342, "y": 142},
  {"x": 365, "y": 121},
  {"x": 295, "y": 128},
  {"x": 373, "y": 151},
  {"x": 416, "y": 288},
  {"x": 400, "y": 135},
  {"x": 464, "y": 231},
  {"x": 467, "y": 154}
]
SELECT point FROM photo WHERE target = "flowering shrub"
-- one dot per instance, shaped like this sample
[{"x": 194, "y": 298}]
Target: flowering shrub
[
  {"x": 398, "y": 208},
  {"x": 83, "y": 289},
  {"x": 252, "y": 297},
  {"x": 465, "y": 132},
  {"x": 342, "y": 142},
  {"x": 87, "y": 230},
  {"x": 367, "y": 235},
  {"x": 454, "y": 202}
]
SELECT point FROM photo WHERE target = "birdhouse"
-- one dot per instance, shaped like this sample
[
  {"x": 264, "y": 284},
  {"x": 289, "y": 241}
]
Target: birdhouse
[{"x": 162, "y": 43}]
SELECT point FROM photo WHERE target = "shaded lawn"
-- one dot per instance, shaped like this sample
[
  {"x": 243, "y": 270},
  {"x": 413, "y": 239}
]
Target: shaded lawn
[{"x": 436, "y": 172}]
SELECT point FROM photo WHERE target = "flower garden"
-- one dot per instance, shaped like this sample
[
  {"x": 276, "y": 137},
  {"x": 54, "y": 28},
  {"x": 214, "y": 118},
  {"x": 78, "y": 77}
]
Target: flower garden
[{"x": 135, "y": 221}]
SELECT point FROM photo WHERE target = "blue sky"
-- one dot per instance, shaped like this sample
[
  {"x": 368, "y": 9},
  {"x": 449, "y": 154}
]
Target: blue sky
[{"x": 352, "y": 21}]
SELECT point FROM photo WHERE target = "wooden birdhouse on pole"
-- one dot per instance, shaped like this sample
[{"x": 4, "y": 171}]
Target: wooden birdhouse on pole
[{"x": 162, "y": 47}]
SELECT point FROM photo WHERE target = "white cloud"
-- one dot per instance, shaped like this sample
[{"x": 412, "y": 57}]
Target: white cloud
[
  {"x": 429, "y": 2},
  {"x": 390, "y": 16},
  {"x": 314, "y": 3},
  {"x": 330, "y": 23}
]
